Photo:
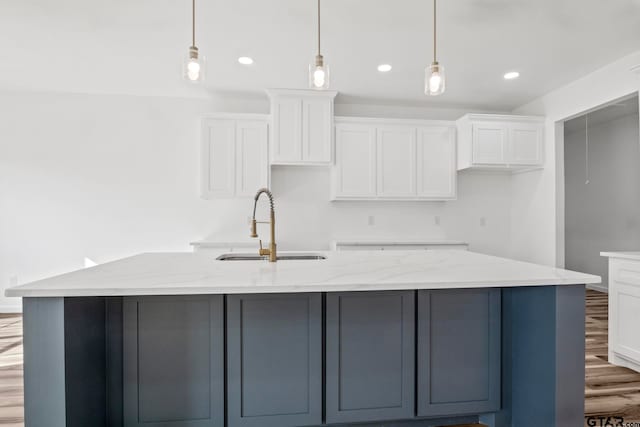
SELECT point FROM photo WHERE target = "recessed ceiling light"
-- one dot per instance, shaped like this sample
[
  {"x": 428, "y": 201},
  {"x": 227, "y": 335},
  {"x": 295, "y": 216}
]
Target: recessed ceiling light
[
  {"x": 245, "y": 60},
  {"x": 384, "y": 68},
  {"x": 511, "y": 75}
]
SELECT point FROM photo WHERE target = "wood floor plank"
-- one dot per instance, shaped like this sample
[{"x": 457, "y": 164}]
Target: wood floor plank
[
  {"x": 610, "y": 390},
  {"x": 11, "y": 377}
]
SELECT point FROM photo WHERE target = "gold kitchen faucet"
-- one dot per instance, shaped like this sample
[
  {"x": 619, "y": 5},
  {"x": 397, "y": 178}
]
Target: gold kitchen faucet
[{"x": 271, "y": 252}]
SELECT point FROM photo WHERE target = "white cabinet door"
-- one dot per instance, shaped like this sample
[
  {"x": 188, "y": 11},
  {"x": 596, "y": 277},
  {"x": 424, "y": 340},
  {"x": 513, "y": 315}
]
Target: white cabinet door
[
  {"x": 355, "y": 170},
  {"x": 627, "y": 316},
  {"x": 317, "y": 130},
  {"x": 252, "y": 162},
  {"x": 525, "y": 144},
  {"x": 436, "y": 162},
  {"x": 218, "y": 158},
  {"x": 302, "y": 127},
  {"x": 396, "y": 161},
  {"x": 287, "y": 130},
  {"x": 489, "y": 143},
  {"x": 624, "y": 311}
]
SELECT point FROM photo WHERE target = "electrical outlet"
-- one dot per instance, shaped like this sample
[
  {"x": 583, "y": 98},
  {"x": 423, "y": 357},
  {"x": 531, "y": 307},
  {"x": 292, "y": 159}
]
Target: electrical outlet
[
  {"x": 371, "y": 220},
  {"x": 483, "y": 222},
  {"x": 436, "y": 219}
]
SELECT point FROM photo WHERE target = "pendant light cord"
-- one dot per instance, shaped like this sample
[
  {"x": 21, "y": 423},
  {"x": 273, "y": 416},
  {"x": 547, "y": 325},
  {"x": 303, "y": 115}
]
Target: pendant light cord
[
  {"x": 586, "y": 151},
  {"x": 193, "y": 22},
  {"x": 434, "y": 30},
  {"x": 318, "y": 27}
]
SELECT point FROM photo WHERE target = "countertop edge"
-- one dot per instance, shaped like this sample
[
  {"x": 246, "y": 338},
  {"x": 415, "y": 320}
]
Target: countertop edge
[
  {"x": 191, "y": 274},
  {"x": 621, "y": 255},
  {"x": 230, "y": 290}
]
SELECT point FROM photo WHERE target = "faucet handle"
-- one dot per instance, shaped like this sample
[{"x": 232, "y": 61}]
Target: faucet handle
[{"x": 262, "y": 251}]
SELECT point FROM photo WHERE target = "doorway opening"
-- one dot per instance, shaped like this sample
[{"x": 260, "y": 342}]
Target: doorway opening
[
  {"x": 602, "y": 213},
  {"x": 601, "y": 186}
]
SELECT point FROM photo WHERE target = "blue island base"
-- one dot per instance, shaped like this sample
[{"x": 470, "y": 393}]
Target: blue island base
[{"x": 507, "y": 357}]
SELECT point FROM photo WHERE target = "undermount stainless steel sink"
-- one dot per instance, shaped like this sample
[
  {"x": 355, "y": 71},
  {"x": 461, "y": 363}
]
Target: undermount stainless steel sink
[{"x": 283, "y": 257}]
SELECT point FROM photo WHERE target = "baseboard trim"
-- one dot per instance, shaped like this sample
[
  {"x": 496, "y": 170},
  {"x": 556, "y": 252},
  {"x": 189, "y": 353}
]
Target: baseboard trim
[
  {"x": 618, "y": 360},
  {"x": 599, "y": 287}
]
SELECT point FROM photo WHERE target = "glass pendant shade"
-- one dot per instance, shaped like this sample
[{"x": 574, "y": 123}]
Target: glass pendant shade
[
  {"x": 434, "y": 80},
  {"x": 319, "y": 74},
  {"x": 193, "y": 67}
]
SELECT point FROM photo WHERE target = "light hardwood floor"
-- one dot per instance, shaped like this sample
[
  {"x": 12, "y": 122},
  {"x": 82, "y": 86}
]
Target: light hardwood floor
[
  {"x": 610, "y": 390},
  {"x": 11, "y": 400}
]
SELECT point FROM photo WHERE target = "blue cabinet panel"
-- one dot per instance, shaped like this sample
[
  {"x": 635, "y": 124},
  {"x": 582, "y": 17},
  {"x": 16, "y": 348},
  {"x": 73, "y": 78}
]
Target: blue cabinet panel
[
  {"x": 458, "y": 351},
  {"x": 370, "y": 353},
  {"x": 44, "y": 362},
  {"x": 274, "y": 356},
  {"x": 85, "y": 361},
  {"x": 543, "y": 338},
  {"x": 173, "y": 361}
]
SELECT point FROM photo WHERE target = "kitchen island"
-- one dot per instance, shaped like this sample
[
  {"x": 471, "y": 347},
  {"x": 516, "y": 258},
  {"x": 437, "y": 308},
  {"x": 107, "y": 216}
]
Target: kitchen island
[{"x": 402, "y": 338}]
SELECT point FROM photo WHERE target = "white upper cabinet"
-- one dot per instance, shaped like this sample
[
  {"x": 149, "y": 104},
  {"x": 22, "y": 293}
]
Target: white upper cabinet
[
  {"x": 378, "y": 159},
  {"x": 436, "y": 162},
  {"x": 302, "y": 127},
  {"x": 500, "y": 142},
  {"x": 286, "y": 130},
  {"x": 396, "y": 161},
  {"x": 218, "y": 157},
  {"x": 525, "y": 144},
  {"x": 489, "y": 143},
  {"x": 234, "y": 155},
  {"x": 252, "y": 156},
  {"x": 354, "y": 175},
  {"x": 317, "y": 130}
]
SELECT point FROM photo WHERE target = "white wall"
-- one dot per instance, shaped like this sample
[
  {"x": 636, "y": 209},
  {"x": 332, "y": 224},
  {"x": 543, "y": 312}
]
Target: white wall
[
  {"x": 537, "y": 212},
  {"x": 307, "y": 220},
  {"x": 603, "y": 215},
  {"x": 108, "y": 176}
]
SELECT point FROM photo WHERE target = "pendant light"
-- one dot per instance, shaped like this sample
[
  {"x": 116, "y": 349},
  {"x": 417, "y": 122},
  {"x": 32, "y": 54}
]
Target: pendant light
[
  {"x": 193, "y": 67},
  {"x": 319, "y": 71},
  {"x": 434, "y": 74}
]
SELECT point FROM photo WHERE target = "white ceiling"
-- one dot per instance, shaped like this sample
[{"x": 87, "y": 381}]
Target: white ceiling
[{"x": 135, "y": 46}]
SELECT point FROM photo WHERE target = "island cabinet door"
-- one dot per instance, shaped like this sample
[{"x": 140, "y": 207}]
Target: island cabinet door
[
  {"x": 458, "y": 351},
  {"x": 173, "y": 361},
  {"x": 370, "y": 356},
  {"x": 274, "y": 360}
]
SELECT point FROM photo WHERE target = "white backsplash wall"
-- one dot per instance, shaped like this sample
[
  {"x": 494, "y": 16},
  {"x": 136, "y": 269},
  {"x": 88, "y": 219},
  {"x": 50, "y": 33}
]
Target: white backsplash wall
[
  {"x": 108, "y": 176},
  {"x": 307, "y": 220}
]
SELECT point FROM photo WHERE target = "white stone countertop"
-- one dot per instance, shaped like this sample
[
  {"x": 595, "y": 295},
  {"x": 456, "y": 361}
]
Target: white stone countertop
[
  {"x": 200, "y": 273},
  {"x": 623, "y": 254},
  {"x": 228, "y": 243},
  {"x": 399, "y": 242}
]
